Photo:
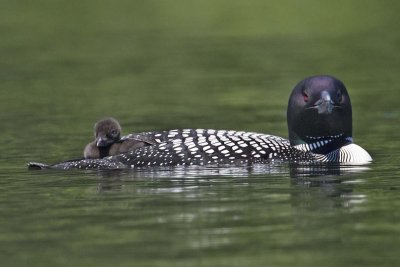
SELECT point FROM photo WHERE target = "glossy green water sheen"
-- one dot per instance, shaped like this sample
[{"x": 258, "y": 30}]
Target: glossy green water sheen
[{"x": 204, "y": 64}]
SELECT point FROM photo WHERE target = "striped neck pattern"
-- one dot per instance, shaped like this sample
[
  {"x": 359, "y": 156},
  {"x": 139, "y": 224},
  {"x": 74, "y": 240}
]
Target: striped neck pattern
[{"x": 324, "y": 144}]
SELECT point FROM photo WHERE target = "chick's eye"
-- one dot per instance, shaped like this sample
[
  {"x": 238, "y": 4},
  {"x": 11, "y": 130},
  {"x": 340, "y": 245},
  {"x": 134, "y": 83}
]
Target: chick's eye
[
  {"x": 114, "y": 132},
  {"x": 305, "y": 96}
]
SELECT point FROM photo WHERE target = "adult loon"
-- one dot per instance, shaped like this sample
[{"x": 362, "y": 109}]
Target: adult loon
[
  {"x": 108, "y": 141},
  {"x": 319, "y": 120}
]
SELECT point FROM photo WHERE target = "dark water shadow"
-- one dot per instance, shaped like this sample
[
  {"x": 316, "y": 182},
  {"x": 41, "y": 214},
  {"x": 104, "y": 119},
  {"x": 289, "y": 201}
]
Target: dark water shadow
[{"x": 325, "y": 188}]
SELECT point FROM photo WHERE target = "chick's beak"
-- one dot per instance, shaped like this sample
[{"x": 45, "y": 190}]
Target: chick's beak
[{"x": 103, "y": 141}]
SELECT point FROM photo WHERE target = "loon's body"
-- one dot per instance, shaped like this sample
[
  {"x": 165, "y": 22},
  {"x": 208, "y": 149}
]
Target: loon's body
[
  {"x": 320, "y": 130},
  {"x": 108, "y": 141}
]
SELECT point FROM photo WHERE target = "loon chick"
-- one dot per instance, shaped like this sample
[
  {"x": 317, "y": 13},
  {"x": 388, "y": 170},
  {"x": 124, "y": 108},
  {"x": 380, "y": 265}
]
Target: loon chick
[
  {"x": 108, "y": 141},
  {"x": 319, "y": 120}
]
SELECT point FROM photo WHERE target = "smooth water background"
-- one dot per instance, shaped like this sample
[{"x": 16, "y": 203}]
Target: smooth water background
[{"x": 204, "y": 64}]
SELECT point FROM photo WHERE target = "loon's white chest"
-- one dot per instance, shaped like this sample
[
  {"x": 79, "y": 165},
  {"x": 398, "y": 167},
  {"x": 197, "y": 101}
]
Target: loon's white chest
[{"x": 350, "y": 153}]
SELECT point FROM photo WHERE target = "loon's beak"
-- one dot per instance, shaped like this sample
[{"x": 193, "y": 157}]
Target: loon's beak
[
  {"x": 103, "y": 141},
  {"x": 325, "y": 104}
]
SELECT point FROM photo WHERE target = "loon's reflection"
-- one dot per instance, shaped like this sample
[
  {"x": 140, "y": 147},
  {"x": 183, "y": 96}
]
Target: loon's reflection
[
  {"x": 323, "y": 169},
  {"x": 310, "y": 175}
]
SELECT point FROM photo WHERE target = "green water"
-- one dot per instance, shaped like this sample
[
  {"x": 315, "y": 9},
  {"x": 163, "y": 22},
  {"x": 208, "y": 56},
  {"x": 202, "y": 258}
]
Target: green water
[{"x": 203, "y": 64}]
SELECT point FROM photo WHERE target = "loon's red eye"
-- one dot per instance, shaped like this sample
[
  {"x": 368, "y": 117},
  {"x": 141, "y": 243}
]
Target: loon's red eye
[{"x": 305, "y": 96}]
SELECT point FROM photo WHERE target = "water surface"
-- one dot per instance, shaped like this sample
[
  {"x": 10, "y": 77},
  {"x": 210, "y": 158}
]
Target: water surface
[{"x": 181, "y": 64}]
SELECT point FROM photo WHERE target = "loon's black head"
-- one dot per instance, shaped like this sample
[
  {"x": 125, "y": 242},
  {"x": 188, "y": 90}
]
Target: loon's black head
[
  {"x": 320, "y": 110},
  {"x": 107, "y": 131}
]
